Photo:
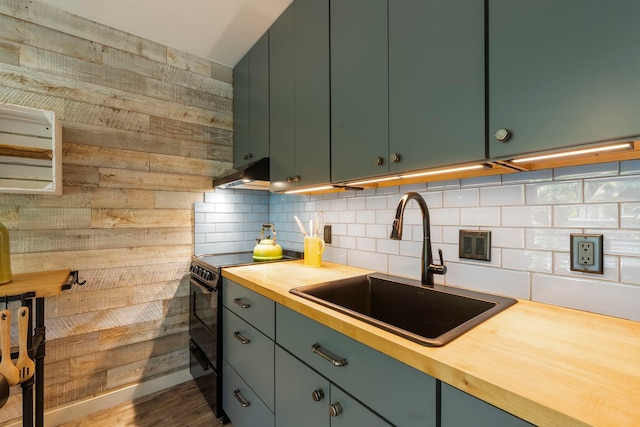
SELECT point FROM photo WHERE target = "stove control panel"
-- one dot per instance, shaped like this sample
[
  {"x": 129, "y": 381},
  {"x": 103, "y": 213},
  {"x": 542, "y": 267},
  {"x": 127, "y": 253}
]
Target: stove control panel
[{"x": 205, "y": 274}]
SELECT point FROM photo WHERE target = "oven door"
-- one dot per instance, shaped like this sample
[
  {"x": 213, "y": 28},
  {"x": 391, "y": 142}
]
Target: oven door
[{"x": 205, "y": 353}]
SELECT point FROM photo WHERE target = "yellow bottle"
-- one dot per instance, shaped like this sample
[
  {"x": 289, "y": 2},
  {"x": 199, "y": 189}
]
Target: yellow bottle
[{"x": 5, "y": 255}]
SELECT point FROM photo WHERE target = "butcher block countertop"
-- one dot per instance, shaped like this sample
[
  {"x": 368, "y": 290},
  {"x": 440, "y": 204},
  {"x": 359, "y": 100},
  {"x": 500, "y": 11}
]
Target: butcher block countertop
[{"x": 551, "y": 366}]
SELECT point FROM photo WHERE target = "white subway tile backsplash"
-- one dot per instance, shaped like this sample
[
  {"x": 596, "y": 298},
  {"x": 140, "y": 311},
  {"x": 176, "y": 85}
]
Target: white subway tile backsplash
[
  {"x": 526, "y": 216},
  {"x": 529, "y": 260},
  {"x": 530, "y": 215},
  {"x": 461, "y": 198},
  {"x": 620, "y": 189},
  {"x": 502, "y": 196},
  {"x": 630, "y": 270},
  {"x": 630, "y": 215},
  {"x": 586, "y": 171},
  {"x": 590, "y": 295},
  {"x": 547, "y": 193},
  {"x": 483, "y": 217},
  {"x": 602, "y": 215}
]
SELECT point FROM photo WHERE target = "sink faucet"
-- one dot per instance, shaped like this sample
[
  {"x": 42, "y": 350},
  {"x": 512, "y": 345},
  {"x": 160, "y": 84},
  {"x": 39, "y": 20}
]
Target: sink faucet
[{"x": 428, "y": 269}]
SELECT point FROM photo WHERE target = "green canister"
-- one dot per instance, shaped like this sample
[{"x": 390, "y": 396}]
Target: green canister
[{"x": 5, "y": 255}]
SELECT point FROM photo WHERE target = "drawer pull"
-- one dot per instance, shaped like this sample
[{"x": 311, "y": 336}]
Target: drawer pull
[
  {"x": 243, "y": 402},
  {"x": 317, "y": 395},
  {"x": 240, "y": 338},
  {"x": 335, "y": 409},
  {"x": 239, "y": 302},
  {"x": 328, "y": 356}
]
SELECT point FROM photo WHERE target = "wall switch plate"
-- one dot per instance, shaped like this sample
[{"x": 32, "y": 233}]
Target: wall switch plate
[
  {"x": 327, "y": 234},
  {"x": 475, "y": 245},
  {"x": 586, "y": 253}
]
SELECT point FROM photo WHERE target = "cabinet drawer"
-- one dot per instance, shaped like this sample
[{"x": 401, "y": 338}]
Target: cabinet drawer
[
  {"x": 234, "y": 392},
  {"x": 398, "y": 392},
  {"x": 250, "y": 353},
  {"x": 251, "y": 306}
]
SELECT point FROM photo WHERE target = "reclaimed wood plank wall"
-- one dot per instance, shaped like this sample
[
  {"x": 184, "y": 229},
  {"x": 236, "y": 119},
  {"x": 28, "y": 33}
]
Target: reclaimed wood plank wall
[{"x": 145, "y": 129}]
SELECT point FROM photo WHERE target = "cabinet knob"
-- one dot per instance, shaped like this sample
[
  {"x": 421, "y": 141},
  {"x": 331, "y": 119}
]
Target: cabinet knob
[
  {"x": 317, "y": 395},
  {"x": 503, "y": 135},
  {"x": 289, "y": 179},
  {"x": 335, "y": 409},
  {"x": 395, "y": 157},
  {"x": 296, "y": 178},
  {"x": 378, "y": 161},
  {"x": 247, "y": 156}
]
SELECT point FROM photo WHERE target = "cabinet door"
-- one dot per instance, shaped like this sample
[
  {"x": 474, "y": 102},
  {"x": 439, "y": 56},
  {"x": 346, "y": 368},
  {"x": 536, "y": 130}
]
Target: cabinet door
[
  {"x": 359, "y": 82},
  {"x": 460, "y": 409},
  {"x": 241, "y": 111},
  {"x": 313, "y": 145},
  {"x": 398, "y": 392},
  {"x": 282, "y": 161},
  {"x": 562, "y": 73},
  {"x": 302, "y": 395},
  {"x": 251, "y": 355},
  {"x": 241, "y": 403},
  {"x": 352, "y": 413},
  {"x": 436, "y": 82},
  {"x": 259, "y": 99}
]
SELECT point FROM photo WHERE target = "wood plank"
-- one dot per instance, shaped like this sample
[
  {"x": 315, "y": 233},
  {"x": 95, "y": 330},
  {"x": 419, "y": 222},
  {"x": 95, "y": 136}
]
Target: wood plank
[
  {"x": 140, "y": 218},
  {"x": 9, "y": 216},
  {"x": 82, "y": 323},
  {"x": 25, "y": 152},
  {"x": 153, "y": 180},
  {"x": 125, "y": 355},
  {"x": 75, "y": 389},
  {"x": 26, "y": 33},
  {"x": 147, "y": 369},
  {"x": 80, "y": 133},
  {"x": 143, "y": 331},
  {"x": 68, "y": 304},
  {"x": 177, "y": 199},
  {"x": 63, "y": 349},
  {"x": 56, "y": 372},
  {"x": 93, "y": 155},
  {"x": 9, "y": 53},
  {"x": 25, "y": 241},
  {"x": 120, "y": 198},
  {"x": 186, "y": 61},
  {"x": 106, "y": 278},
  {"x": 80, "y": 176},
  {"x": 188, "y": 166},
  {"x": 218, "y": 133},
  {"x": 162, "y": 291},
  {"x": 100, "y": 258},
  {"x": 57, "y": 19},
  {"x": 58, "y": 75},
  {"x": 31, "y": 218},
  {"x": 100, "y": 115},
  {"x": 72, "y": 197}
]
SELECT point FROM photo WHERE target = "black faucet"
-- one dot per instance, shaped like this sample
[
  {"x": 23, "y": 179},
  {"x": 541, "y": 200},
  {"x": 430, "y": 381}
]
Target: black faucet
[{"x": 428, "y": 268}]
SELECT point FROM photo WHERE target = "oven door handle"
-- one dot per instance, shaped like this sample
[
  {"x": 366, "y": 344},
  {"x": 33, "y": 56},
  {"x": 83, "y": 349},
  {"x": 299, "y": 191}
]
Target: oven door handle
[{"x": 200, "y": 357}]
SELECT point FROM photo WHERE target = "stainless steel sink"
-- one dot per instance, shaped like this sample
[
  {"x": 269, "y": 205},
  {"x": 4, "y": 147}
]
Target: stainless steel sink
[{"x": 431, "y": 316}]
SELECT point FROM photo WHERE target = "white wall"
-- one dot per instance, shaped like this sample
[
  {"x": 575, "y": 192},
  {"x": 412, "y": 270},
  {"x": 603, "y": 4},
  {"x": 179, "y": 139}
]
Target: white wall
[{"x": 529, "y": 214}]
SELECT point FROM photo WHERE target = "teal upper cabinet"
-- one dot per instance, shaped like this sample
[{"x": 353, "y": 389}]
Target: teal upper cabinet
[
  {"x": 359, "y": 89},
  {"x": 251, "y": 105},
  {"x": 562, "y": 73},
  {"x": 436, "y": 83},
  {"x": 299, "y": 104}
]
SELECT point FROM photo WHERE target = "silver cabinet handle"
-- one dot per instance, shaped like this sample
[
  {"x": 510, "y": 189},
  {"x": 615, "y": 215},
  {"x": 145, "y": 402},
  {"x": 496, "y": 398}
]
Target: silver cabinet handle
[
  {"x": 240, "y": 338},
  {"x": 335, "y": 409},
  {"x": 328, "y": 356},
  {"x": 243, "y": 402},
  {"x": 239, "y": 302}
]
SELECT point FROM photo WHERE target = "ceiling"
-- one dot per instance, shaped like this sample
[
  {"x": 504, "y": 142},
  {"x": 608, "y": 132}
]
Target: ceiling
[{"x": 219, "y": 30}]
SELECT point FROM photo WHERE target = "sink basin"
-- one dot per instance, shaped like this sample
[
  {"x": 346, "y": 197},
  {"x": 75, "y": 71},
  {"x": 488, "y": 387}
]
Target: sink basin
[{"x": 429, "y": 316}]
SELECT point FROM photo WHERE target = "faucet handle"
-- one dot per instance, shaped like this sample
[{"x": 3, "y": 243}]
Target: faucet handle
[{"x": 438, "y": 269}]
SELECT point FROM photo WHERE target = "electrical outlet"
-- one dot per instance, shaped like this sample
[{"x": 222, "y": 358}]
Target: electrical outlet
[
  {"x": 474, "y": 245},
  {"x": 586, "y": 253}
]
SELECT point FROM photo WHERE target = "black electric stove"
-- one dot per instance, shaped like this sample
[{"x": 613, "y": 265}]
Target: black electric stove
[{"x": 205, "y": 319}]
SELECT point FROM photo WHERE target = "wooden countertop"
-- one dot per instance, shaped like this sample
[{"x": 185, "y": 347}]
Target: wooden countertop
[
  {"x": 549, "y": 365},
  {"x": 43, "y": 283}
]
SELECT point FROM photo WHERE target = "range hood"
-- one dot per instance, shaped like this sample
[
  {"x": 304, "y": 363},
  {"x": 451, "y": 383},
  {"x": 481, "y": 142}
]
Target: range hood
[{"x": 254, "y": 176}]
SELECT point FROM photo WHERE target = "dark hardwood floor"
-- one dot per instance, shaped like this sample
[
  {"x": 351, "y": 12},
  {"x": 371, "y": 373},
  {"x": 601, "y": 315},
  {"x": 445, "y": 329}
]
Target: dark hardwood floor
[{"x": 182, "y": 405}]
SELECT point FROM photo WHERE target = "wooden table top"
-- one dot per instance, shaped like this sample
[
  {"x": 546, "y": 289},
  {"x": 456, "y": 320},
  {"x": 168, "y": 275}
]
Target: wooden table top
[
  {"x": 549, "y": 365},
  {"x": 43, "y": 283}
]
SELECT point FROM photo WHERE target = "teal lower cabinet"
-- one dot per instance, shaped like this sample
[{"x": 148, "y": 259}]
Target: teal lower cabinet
[
  {"x": 360, "y": 377},
  {"x": 306, "y": 398},
  {"x": 459, "y": 409},
  {"x": 241, "y": 403}
]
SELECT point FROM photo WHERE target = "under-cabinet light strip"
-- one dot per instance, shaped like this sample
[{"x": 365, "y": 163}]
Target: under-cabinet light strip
[
  {"x": 624, "y": 146},
  {"x": 310, "y": 190},
  {"x": 418, "y": 174}
]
